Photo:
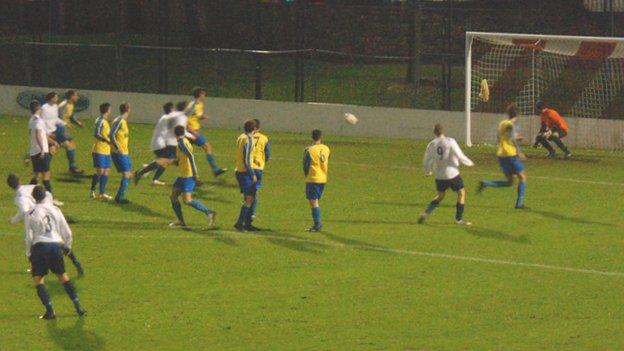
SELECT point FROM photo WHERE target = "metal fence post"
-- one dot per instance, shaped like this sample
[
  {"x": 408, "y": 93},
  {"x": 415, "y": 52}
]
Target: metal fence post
[
  {"x": 413, "y": 67},
  {"x": 118, "y": 68},
  {"x": 258, "y": 61}
]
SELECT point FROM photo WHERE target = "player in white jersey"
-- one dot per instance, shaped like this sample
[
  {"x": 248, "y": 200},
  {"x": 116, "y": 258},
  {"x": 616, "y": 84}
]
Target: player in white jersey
[
  {"x": 25, "y": 202},
  {"x": 39, "y": 151},
  {"x": 443, "y": 156},
  {"x": 47, "y": 233},
  {"x": 163, "y": 145}
]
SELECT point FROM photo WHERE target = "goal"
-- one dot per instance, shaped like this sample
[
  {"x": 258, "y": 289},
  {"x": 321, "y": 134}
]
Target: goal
[{"x": 581, "y": 77}]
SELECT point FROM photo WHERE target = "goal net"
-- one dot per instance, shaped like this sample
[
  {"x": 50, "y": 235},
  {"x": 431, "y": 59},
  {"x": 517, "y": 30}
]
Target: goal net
[{"x": 581, "y": 77}]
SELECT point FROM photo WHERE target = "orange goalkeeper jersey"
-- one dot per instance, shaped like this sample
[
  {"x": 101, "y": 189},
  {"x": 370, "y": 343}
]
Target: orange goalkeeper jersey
[{"x": 551, "y": 118}]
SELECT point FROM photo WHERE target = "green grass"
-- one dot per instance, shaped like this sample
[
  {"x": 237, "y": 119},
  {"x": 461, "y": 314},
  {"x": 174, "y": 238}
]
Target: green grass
[{"x": 374, "y": 280}]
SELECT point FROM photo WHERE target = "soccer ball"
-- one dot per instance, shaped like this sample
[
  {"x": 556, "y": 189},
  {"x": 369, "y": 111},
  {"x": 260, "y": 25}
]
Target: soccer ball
[{"x": 350, "y": 118}]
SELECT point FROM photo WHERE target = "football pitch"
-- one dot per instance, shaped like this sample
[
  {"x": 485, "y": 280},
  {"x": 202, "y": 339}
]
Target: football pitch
[{"x": 550, "y": 277}]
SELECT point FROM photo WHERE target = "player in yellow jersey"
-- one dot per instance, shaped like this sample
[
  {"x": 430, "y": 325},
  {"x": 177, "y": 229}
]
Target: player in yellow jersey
[
  {"x": 195, "y": 111},
  {"x": 510, "y": 157},
  {"x": 185, "y": 183},
  {"x": 259, "y": 158},
  {"x": 62, "y": 136},
  {"x": 315, "y": 168},
  {"x": 101, "y": 153},
  {"x": 121, "y": 157},
  {"x": 246, "y": 176}
]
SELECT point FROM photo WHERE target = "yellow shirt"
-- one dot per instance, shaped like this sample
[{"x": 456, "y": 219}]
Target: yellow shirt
[
  {"x": 120, "y": 135},
  {"x": 244, "y": 152},
  {"x": 186, "y": 161},
  {"x": 261, "y": 151},
  {"x": 196, "y": 113},
  {"x": 506, "y": 139},
  {"x": 102, "y": 139},
  {"x": 69, "y": 111},
  {"x": 316, "y": 163}
]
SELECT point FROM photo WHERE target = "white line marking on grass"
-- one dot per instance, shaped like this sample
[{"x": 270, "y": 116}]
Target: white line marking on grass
[{"x": 367, "y": 247}]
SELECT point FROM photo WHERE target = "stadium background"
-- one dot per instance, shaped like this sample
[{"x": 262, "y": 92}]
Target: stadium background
[{"x": 401, "y": 53}]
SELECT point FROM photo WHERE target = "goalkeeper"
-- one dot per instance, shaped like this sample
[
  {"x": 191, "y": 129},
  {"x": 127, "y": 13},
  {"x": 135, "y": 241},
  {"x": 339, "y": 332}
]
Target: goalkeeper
[{"x": 554, "y": 128}]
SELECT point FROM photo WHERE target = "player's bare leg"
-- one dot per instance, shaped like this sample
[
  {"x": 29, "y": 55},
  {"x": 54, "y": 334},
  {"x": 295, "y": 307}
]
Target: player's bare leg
[{"x": 432, "y": 206}]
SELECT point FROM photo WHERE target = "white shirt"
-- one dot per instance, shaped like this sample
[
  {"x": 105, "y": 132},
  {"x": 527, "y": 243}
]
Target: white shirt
[
  {"x": 160, "y": 133},
  {"x": 177, "y": 118},
  {"x": 37, "y": 126},
  {"x": 25, "y": 202},
  {"x": 443, "y": 155},
  {"x": 49, "y": 114},
  {"x": 46, "y": 224}
]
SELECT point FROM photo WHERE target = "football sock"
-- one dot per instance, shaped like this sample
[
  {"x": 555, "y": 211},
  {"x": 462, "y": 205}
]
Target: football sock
[
  {"x": 432, "y": 206},
  {"x": 254, "y": 205},
  {"x": 159, "y": 172},
  {"x": 94, "y": 180},
  {"x": 33, "y": 181},
  {"x": 495, "y": 183},
  {"x": 123, "y": 186},
  {"x": 316, "y": 216},
  {"x": 177, "y": 208},
  {"x": 459, "y": 211},
  {"x": 42, "y": 292},
  {"x": 521, "y": 190},
  {"x": 70, "y": 290},
  {"x": 150, "y": 167},
  {"x": 199, "y": 206},
  {"x": 244, "y": 215},
  {"x": 103, "y": 181},
  {"x": 47, "y": 186},
  {"x": 71, "y": 158},
  {"x": 213, "y": 163}
]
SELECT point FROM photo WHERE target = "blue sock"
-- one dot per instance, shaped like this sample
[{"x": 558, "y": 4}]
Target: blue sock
[
  {"x": 521, "y": 190},
  {"x": 159, "y": 172},
  {"x": 432, "y": 206},
  {"x": 71, "y": 157},
  {"x": 213, "y": 163},
  {"x": 244, "y": 214},
  {"x": 121, "y": 193},
  {"x": 254, "y": 205},
  {"x": 316, "y": 216},
  {"x": 199, "y": 206},
  {"x": 495, "y": 183},
  {"x": 42, "y": 292},
  {"x": 94, "y": 180},
  {"x": 103, "y": 181},
  {"x": 177, "y": 208},
  {"x": 459, "y": 211}
]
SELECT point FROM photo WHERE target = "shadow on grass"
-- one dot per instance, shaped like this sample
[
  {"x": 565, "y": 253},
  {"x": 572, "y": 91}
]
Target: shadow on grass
[
  {"x": 138, "y": 208},
  {"x": 293, "y": 242},
  {"x": 367, "y": 221},
  {"x": 121, "y": 225},
  {"x": 212, "y": 233},
  {"x": 356, "y": 244},
  {"x": 75, "y": 337},
  {"x": 566, "y": 218},
  {"x": 220, "y": 183},
  {"x": 68, "y": 179},
  {"x": 399, "y": 204},
  {"x": 497, "y": 235}
]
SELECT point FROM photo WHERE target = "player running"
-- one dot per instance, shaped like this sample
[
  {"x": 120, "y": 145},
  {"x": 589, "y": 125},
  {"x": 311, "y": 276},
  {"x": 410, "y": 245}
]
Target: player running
[
  {"x": 39, "y": 147},
  {"x": 259, "y": 158},
  {"x": 185, "y": 183},
  {"x": 315, "y": 168},
  {"x": 61, "y": 134},
  {"x": 164, "y": 146},
  {"x": 443, "y": 155},
  {"x": 47, "y": 233},
  {"x": 553, "y": 128},
  {"x": 196, "y": 114},
  {"x": 509, "y": 157},
  {"x": 119, "y": 136},
  {"x": 101, "y": 153},
  {"x": 246, "y": 177},
  {"x": 25, "y": 203}
]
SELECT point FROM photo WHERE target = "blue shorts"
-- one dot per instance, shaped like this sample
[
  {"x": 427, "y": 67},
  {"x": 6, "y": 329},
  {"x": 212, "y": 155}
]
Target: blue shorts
[
  {"x": 200, "y": 140},
  {"x": 314, "y": 191},
  {"x": 168, "y": 152},
  {"x": 41, "y": 165},
  {"x": 122, "y": 162},
  {"x": 47, "y": 256},
  {"x": 185, "y": 185},
  {"x": 511, "y": 165},
  {"x": 246, "y": 184},
  {"x": 456, "y": 184},
  {"x": 101, "y": 160},
  {"x": 61, "y": 134}
]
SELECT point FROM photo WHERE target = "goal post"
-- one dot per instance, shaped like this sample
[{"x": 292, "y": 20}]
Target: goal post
[{"x": 581, "y": 77}]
